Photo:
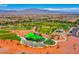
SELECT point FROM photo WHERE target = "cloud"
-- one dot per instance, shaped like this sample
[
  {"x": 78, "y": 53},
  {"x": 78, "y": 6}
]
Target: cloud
[{"x": 63, "y": 9}]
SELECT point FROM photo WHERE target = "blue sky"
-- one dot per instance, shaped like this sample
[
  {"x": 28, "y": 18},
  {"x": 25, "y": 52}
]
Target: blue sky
[
  {"x": 64, "y": 7},
  {"x": 20, "y": 6}
]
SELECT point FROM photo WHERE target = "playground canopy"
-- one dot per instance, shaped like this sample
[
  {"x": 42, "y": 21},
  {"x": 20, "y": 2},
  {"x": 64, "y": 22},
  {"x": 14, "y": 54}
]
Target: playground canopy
[{"x": 34, "y": 37}]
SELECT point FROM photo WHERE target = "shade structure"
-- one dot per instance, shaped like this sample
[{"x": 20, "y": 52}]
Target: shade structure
[{"x": 34, "y": 37}]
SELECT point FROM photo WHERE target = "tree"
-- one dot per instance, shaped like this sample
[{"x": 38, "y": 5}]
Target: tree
[
  {"x": 23, "y": 53},
  {"x": 58, "y": 46},
  {"x": 74, "y": 46}
]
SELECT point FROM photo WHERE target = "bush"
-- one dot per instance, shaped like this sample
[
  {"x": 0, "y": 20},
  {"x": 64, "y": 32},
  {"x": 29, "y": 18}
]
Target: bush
[{"x": 49, "y": 42}]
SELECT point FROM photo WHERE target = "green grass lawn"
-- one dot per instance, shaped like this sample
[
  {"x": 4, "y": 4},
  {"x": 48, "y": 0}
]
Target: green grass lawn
[
  {"x": 49, "y": 27},
  {"x": 5, "y": 34},
  {"x": 4, "y": 31},
  {"x": 43, "y": 27}
]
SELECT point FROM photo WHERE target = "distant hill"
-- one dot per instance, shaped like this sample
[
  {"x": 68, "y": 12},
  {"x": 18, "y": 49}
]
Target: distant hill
[{"x": 35, "y": 11}]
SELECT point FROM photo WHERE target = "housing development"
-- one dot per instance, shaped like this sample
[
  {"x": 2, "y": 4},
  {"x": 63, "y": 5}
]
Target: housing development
[{"x": 39, "y": 31}]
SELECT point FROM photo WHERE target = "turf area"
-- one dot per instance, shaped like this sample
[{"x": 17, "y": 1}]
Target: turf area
[
  {"x": 5, "y": 34},
  {"x": 43, "y": 27}
]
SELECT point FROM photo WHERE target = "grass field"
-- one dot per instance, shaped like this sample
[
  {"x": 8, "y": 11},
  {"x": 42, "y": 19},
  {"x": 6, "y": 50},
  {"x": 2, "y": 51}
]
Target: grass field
[
  {"x": 5, "y": 34},
  {"x": 43, "y": 27}
]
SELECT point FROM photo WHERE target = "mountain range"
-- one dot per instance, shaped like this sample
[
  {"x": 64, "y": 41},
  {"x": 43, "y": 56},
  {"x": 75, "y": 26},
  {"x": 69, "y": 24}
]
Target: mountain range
[{"x": 36, "y": 11}]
